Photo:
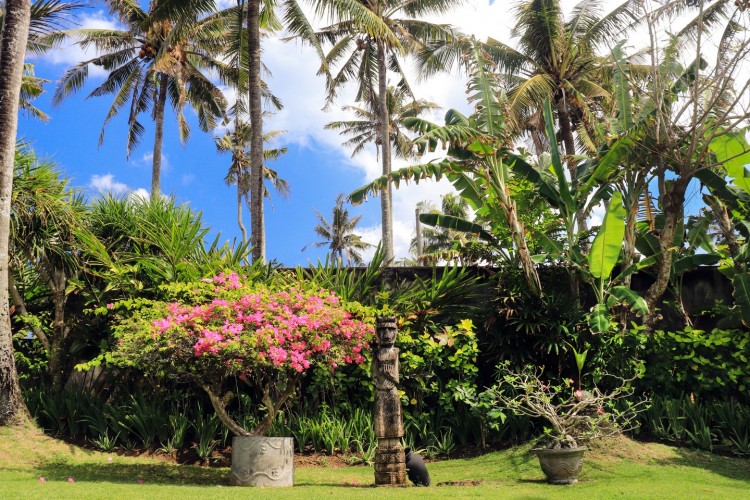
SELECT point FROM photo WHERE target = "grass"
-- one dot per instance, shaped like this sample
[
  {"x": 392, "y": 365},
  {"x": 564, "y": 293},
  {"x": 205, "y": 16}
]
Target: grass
[{"x": 619, "y": 468}]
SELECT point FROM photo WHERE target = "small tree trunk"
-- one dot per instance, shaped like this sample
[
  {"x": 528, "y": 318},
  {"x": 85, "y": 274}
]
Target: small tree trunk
[
  {"x": 673, "y": 201},
  {"x": 420, "y": 243},
  {"x": 721, "y": 215},
  {"x": 159, "y": 106},
  {"x": 220, "y": 407},
  {"x": 386, "y": 195},
  {"x": 12, "y": 51},
  {"x": 57, "y": 352},
  {"x": 257, "y": 225},
  {"x": 566, "y": 134},
  {"x": 20, "y": 305},
  {"x": 239, "y": 213},
  {"x": 524, "y": 255}
]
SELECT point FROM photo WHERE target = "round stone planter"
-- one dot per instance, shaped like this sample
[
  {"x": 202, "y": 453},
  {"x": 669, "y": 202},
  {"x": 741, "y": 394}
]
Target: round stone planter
[
  {"x": 262, "y": 461},
  {"x": 561, "y": 466}
]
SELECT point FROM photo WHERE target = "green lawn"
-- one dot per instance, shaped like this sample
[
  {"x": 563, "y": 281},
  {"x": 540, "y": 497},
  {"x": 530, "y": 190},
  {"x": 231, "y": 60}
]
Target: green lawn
[{"x": 617, "y": 469}]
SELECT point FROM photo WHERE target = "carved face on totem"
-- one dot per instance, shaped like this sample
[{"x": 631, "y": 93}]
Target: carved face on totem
[{"x": 386, "y": 331}]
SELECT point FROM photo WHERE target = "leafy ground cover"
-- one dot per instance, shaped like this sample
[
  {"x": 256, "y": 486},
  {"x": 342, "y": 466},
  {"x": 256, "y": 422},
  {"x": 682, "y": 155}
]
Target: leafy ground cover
[{"x": 617, "y": 468}]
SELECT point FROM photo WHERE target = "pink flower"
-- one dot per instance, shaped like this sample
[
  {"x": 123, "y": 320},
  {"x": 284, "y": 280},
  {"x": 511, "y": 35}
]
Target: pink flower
[
  {"x": 109, "y": 459},
  {"x": 139, "y": 481},
  {"x": 42, "y": 479},
  {"x": 71, "y": 480},
  {"x": 110, "y": 306}
]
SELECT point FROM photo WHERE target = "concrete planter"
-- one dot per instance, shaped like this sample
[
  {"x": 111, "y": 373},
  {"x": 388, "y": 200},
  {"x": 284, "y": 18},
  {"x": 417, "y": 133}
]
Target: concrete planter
[
  {"x": 262, "y": 461},
  {"x": 561, "y": 466}
]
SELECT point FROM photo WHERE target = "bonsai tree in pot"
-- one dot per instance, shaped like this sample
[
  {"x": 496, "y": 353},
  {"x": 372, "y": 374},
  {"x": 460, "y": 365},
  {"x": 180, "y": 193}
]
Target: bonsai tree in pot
[
  {"x": 575, "y": 416},
  {"x": 228, "y": 328}
]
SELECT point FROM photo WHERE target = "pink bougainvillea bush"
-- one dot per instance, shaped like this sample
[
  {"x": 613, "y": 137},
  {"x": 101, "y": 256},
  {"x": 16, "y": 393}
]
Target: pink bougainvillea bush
[{"x": 229, "y": 328}]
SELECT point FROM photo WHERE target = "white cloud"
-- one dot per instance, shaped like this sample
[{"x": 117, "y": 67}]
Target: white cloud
[
  {"x": 107, "y": 184},
  {"x": 140, "y": 194}
]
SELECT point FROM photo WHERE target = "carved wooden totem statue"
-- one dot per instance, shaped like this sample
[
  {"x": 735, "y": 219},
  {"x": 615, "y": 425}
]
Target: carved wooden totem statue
[{"x": 390, "y": 462}]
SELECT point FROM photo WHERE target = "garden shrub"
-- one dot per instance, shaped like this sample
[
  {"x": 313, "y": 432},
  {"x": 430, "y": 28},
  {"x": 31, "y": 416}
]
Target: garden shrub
[{"x": 709, "y": 365}]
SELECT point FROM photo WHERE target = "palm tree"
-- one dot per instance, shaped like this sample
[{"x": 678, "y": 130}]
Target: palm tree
[
  {"x": 368, "y": 39},
  {"x": 150, "y": 62},
  {"x": 237, "y": 142},
  {"x": 46, "y": 17},
  {"x": 477, "y": 161},
  {"x": 365, "y": 129},
  {"x": 555, "y": 58},
  {"x": 12, "y": 51},
  {"x": 338, "y": 235}
]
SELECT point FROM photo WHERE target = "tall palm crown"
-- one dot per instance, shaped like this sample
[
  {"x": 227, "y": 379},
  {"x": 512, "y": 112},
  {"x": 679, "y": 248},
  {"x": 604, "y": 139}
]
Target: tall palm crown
[
  {"x": 365, "y": 128},
  {"x": 338, "y": 235},
  {"x": 149, "y": 63},
  {"x": 367, "y": 41},
  {"x": 557, "y": 59}
]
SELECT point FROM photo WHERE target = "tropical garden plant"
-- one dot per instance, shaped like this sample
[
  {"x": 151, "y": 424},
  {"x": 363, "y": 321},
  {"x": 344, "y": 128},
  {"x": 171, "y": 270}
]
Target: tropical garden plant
[
  {"x": 575, "y": 416},
  {"x": 228, "y": 328}
]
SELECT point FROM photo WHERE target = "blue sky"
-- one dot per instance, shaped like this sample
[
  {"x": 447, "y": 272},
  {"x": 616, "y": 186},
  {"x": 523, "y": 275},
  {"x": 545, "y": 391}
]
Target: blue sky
[{"x": 317, "y": 167}]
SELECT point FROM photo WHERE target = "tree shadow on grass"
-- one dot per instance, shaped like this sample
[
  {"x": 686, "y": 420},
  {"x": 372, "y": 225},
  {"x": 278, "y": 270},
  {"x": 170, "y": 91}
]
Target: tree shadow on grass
[
  {"x": 133, "y": 473},
  {"x": 732, "y": 468}
]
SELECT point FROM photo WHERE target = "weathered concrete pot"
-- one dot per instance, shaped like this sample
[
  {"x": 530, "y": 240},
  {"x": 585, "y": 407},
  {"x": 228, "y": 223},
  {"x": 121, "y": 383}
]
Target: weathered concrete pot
[
  {"x": 262, "y": 461},
  {"x": 561, "y": 466}
]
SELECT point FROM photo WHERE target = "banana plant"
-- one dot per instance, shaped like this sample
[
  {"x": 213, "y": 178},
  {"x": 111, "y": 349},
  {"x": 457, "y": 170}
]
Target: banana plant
[
  {"x": 475, "y": 162},
  {"x": 591, "y": 186},
  {"x": 730, "y": 202},
  {"x": 604, "y": 254}
]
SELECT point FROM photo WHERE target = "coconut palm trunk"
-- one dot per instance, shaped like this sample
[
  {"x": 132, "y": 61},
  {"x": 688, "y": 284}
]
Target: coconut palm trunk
[
  {"x": 12, "y": 52},
  {"x": 257, "y": 226},
  {"x": 160, "y": 104},
  {"x": 386, "y": 197}
]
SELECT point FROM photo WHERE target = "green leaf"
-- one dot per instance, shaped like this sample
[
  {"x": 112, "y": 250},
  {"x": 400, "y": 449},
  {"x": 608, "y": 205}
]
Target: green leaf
[
  {"x": 630, "y": 298},
  {"x": 456, "y": 224},
  {"x": 599, "y": 318},
  {"x": 733, "y": 151},
  {"x": 741, "y": 282},
  {"x": 642, "y": 264},
  {"x": 608, "y": 242},
  {"x": 622, "y": 88},
  {"x": 692, "y": 261}
]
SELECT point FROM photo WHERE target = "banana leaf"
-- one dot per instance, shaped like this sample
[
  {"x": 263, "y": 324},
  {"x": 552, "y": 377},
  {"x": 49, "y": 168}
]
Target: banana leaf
[
  {"x": 608, "y": 242},
  {"x": 457, "y": 224}
]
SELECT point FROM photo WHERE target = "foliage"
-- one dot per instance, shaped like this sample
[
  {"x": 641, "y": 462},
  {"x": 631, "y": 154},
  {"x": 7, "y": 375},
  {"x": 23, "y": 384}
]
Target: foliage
[
  {"x": 263, "y": 336},
  {"x": 711, "y": 365},
  {"x": 719, "y": 425}
]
